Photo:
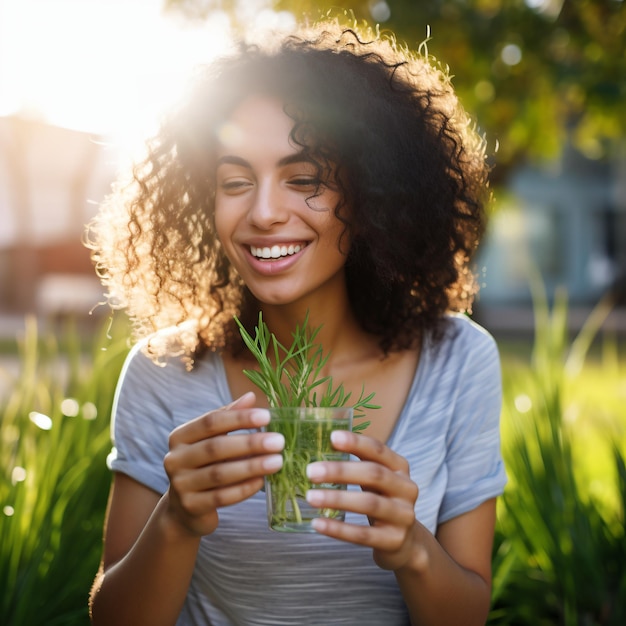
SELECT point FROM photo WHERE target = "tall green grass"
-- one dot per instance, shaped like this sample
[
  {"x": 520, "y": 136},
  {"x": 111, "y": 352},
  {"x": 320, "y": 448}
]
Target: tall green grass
[
  {"x": 560, "y": 553},
  {"x": 54, "y": 438}
]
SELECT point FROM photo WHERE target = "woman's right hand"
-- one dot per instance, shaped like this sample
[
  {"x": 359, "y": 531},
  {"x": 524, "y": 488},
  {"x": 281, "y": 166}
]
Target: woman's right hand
[{"x": 209, "y": 468}]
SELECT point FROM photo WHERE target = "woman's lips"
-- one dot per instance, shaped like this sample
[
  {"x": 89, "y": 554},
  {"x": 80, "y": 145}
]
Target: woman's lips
[{"x": 275, "y": 258}]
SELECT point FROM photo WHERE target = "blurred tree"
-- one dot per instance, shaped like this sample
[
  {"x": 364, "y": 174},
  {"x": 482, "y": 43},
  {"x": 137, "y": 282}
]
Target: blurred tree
[{"x": 535, "y": 74}]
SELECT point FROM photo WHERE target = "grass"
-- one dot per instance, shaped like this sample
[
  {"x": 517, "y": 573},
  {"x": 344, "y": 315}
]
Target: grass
[
  {"x": 53, "y": 478},
  {"x": 560, "y": 549}
]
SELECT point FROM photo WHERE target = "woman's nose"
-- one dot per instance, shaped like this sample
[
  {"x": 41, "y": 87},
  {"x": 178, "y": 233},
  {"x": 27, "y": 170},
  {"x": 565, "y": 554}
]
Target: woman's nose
[{"x": 268, "y": 206}]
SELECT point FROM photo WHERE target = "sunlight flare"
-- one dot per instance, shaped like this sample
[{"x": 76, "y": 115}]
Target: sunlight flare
[{"x": 102, "y": 67}]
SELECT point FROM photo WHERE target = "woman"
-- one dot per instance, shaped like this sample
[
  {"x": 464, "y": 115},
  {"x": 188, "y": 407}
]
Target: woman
[{"x": 332, "y": 173}]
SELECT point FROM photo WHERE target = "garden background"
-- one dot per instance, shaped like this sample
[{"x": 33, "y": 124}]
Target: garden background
[{"x": 545, "y": 80}]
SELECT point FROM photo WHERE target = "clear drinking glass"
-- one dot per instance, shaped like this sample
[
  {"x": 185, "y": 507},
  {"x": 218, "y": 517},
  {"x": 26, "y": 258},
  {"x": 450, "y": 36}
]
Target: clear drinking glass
[{"x": 307, "y": 439}]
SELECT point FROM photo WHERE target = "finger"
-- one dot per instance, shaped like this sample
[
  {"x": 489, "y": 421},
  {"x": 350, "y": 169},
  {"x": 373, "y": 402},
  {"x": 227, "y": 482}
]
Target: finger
[
  {"x": 368, "y": 449},
  {"x": 219, "y": 422},
  {"x": 200, "y": 503},
  {"x": 222, "y": 475},
  {"x": 368, "y": 475},
  {"x": 380, "y": 538},
  {"x": 222, "y": 448},
  {"x": 378, "y": 508}
]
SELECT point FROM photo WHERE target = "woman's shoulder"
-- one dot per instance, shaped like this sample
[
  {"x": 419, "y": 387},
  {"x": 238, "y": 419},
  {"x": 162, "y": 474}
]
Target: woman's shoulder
[
  {"x": 158, "y": 364},
  {"x": 464, "y": 346},
  {"x": 462, "y": 323},
  {"x": 171, "y": 386},
  {"x": 461, "y": 329}
]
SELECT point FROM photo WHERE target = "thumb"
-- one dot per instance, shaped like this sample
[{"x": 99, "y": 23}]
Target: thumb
[{"x": 247, "y": 400}]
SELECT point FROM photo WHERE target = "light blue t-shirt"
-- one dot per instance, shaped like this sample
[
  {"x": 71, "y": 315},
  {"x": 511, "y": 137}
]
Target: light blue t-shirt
[{"x": 248, "y": 575}]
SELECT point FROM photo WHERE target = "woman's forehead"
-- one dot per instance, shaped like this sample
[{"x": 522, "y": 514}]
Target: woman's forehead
[{"x": 259, "y": 118}]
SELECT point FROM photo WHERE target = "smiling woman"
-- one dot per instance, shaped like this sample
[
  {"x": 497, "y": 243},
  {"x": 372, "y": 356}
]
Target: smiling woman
[{"x": 327, "y": 179}]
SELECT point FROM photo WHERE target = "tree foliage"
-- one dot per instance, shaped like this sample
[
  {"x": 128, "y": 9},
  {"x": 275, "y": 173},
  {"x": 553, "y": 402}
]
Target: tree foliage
[{"x": 535, "y": 74}]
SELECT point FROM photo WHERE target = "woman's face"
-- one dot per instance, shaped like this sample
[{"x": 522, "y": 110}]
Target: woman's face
[{"x": 284, "y": 248}]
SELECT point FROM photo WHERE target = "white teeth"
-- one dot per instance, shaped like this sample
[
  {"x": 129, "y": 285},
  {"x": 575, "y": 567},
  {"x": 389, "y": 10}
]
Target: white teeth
[{"x": 275, "y": 252}]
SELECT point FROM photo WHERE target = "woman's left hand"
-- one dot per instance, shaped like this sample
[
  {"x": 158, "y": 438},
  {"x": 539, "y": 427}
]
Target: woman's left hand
[{"x": 387, "y": 497}]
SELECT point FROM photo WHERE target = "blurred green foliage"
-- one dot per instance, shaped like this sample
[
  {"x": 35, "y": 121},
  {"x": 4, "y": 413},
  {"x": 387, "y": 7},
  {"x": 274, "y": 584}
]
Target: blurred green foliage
[
  {"x": 560, "y": 549},
  {"x": 535, "y": 74},
  {"x": 54, "y": 438}
]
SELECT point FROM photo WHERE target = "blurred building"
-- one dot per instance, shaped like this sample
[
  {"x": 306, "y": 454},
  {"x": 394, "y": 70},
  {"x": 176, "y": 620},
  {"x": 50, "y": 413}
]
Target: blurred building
[
  {"x": 51, "y": 180},
  {"x": 565, "y": 222}
]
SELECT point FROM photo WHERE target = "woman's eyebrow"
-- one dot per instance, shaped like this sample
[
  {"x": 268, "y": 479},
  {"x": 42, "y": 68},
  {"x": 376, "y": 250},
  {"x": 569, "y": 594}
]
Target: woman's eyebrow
[
  {"x": 298, "y": 157},
  {"x": 233, "y": 160},
  {"x": 290, "y": 159}
]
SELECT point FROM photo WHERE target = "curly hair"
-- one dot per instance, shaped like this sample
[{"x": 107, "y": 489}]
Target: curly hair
[{"x": 402, "y": 151}]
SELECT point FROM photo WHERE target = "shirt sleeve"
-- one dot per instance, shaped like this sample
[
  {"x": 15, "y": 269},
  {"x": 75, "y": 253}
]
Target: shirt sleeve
[
  {"x": 141, "y": 422},
  {"x": 474, "y": 462}
]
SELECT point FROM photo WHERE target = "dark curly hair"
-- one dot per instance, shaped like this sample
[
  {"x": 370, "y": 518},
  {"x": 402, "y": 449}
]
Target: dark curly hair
[{"x": 382, "y": 120}]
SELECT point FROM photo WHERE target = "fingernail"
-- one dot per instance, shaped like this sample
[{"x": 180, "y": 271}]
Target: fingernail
[
  {"x": 315, "y": 471},
  {"x": 339, "y": 436},
  {"x": 244, "y": 398},
  {"x": 274, "y": 462},
  {"x": 315, "y": 497},
  {"x": 274, "y": 442},
  {"x": 260, "y": 417}
]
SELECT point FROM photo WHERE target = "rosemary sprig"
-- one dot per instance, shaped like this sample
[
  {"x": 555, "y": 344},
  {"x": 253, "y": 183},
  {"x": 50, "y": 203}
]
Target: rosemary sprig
[{"x": 294, "y": 377}]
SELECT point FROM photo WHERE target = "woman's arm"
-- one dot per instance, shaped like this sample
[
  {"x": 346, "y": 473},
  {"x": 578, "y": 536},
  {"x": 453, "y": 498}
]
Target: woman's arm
[
  {"x": 147, "y": 560},
  {"x": 448, "y": 579},
  {"x": 151, "y": 542},
  {"x": 445, "y": 580}
]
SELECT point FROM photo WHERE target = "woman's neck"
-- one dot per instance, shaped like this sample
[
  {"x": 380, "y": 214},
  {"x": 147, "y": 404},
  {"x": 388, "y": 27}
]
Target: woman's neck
[{"x": 340, "y": 334}]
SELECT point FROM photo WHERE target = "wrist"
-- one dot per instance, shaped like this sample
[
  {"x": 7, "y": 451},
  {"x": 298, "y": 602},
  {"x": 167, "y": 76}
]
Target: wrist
[
  {"x": 418, "y": 562},
  {"x": 174, "y": 530}
]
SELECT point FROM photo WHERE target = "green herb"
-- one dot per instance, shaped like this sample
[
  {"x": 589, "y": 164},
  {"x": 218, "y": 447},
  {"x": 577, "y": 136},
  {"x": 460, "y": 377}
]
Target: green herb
[
  {"x": 291, "y": 377},
  {"x": 294, "y": 379}
]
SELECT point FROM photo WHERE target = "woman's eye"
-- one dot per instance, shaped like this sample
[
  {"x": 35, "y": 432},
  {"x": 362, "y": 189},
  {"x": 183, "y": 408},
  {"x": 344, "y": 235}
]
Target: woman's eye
[
  {"x": 305, "y": 181},
  {"x": 234, "y": 185}
]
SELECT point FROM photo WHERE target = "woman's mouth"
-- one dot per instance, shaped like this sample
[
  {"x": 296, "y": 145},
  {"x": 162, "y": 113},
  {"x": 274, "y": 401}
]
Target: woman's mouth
[{"x": 276, "y": 251}]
